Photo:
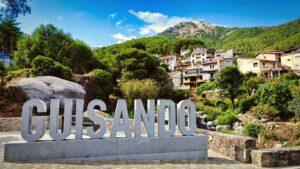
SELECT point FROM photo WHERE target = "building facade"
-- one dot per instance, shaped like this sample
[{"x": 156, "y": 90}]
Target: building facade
[{"x": 292, "y": 60}]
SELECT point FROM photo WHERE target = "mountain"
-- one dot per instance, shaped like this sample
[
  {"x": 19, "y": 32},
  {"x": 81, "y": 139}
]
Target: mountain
[{"x": 250, "y": 41}]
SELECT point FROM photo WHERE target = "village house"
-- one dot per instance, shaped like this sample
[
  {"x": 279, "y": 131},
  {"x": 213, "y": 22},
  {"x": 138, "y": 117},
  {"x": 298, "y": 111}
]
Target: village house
[
  {"x": 260, "y": 67},
  {"x": 193, "y": 76},
  {"x": 171, "y": 61},
  {"x": 270, "y": 55},
  {"x": 201, "y": 54},
  {"x": 292, "y": 60},
  {"x": 206, "y": 66}
]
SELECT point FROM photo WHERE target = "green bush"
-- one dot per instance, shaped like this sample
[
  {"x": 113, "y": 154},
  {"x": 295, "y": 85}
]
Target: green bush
[
  {"x": 264, "y": 110},
  {"x": 210, "y": 85},
  {"x": 179, "y": 95},
  {"x": 228, "y": 118},
  {"x": 244, "y": 105},
  {"x": 200, "y": 106},
  {"x": 139, "y": 89},
  {"x": 212, "y": 113},
  {"x": 223, "y": 104},
  {"x": 44, "y": 66},
  {"x": 270, "y": 135},
  {"x": 17, "y": 73},
  {"x": 102, "y": 85},
  {"x": 253, "y": 129},
  {"x": 207, "y": 102},
  {"x": 294, "y": 105}
]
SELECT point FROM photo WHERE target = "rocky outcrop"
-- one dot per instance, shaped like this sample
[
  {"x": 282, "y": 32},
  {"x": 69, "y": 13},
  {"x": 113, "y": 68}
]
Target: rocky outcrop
[
  {"x": 190, "y": 29},
  {"x": 44, "y": 88}
]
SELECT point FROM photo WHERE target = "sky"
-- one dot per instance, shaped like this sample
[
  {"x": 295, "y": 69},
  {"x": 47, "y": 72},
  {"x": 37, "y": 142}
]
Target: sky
[{"x": 106, "y": 22}]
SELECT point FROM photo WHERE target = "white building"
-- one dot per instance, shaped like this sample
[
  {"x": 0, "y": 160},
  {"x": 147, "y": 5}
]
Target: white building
[{"x": 171, "y": 61}]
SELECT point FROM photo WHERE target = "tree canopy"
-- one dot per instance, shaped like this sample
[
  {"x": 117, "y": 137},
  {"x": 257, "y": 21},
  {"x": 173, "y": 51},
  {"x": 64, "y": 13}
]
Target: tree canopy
[
  {"x": 13, "y": 8},
  {"x": 49, "y": 41}
]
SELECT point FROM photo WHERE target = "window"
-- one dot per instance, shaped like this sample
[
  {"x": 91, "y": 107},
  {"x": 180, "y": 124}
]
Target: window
[
  {"x": 264, "y": 64},
  {"x": 289, "y": 60},
  {"x": 273, "y": 65},
  {"x": 255, "y": 64}
]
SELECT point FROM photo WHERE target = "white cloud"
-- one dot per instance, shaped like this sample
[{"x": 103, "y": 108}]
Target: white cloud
[
  {"x": 121, "y": 38},
  {"x": 113, "y": 15},
  {"x": 157, "y": 22},
  {"x": 119, "y": 22},
  {"x": 59, "y": 18},
  {"x": 2, "y": 5}
]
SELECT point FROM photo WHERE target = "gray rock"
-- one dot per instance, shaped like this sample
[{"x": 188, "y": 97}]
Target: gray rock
[
  {"x": 210, "y": 123},
  {"x": 264, "y": 120},
  {"x": 45, "y": 88},
  {"x": 239, "y": 130},
  {"x": 276, "y": 146},
  {"x": 236, "y": 124},
  {"x": 223, "y": 127}
]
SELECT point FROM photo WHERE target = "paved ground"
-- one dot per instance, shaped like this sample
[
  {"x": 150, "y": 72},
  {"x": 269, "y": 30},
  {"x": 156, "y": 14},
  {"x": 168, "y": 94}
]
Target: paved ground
[{"x": 215, "y": 161}]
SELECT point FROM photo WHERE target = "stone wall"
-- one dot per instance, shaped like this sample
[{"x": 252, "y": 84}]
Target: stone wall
[
  {"x": 232, "y": 146},
  {"x": 276, "y": 157}
]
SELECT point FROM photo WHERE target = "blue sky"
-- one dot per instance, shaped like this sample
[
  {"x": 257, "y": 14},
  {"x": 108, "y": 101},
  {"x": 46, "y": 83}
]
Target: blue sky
[{"x": 106, "y": 22}]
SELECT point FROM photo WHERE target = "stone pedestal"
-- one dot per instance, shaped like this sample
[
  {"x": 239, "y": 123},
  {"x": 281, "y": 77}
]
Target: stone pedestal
[{"x": 153, "y": 148}]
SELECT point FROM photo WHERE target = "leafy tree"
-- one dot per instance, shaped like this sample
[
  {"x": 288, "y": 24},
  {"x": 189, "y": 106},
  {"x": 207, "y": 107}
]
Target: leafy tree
[
  {"x": 102, "y": 84},
  {"x": 276, "y": 94},
  {"x": 9, "y": 34},
  {"x": 264, "y": 110},
  {"x": 230, "y": 80},
  {"x": 54, "y": 43},
  {"x": 44, "y": 66},
  {"x": 139, "y": 89},
  {"x": 252, "y": 84},
  {"x": 294, "y": 105},
  {"x": 13, "y": 8}
]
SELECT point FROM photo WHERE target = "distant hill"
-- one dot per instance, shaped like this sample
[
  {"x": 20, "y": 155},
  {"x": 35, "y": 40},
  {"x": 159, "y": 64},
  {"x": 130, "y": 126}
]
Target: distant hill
[{"x": 250, "y": 40}]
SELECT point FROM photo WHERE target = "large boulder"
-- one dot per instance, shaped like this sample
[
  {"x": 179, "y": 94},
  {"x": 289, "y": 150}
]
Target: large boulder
[{"x": 44, "y": 88}]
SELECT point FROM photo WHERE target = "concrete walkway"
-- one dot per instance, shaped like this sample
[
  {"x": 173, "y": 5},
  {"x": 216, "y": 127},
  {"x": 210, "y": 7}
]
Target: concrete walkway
[{"x": 215, "y": 161}]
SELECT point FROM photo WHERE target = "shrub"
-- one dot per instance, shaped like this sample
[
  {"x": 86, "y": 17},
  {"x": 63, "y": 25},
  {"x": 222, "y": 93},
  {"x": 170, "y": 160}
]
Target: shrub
[
  {"x": 44, "y": 66},
  {"x": 139, "y": 89},
  {"x": 179, "y": 95},
  {"x": 244, "y": 105},
  {"x": 289, "y": 76},
  {"x": 200, "y": 106},
  {"x": 294, "y": 105},
  {"x": 253, "y": 129},
  {"x": 17, "y": 73},
  {"x": 210, "y": 85},
  {"x": 270, "y": 135},
  {"x": 264, "y": 110},
  {"x": 207, "y": 102},
  {"x": 212, "y": 113},
  {"x": 228, "y": 118},
  {"x": 223, "y": 104}
]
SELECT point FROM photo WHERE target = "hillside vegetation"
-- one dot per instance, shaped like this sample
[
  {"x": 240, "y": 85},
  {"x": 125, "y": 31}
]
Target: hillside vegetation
[{"x": 248, "y": 40}]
